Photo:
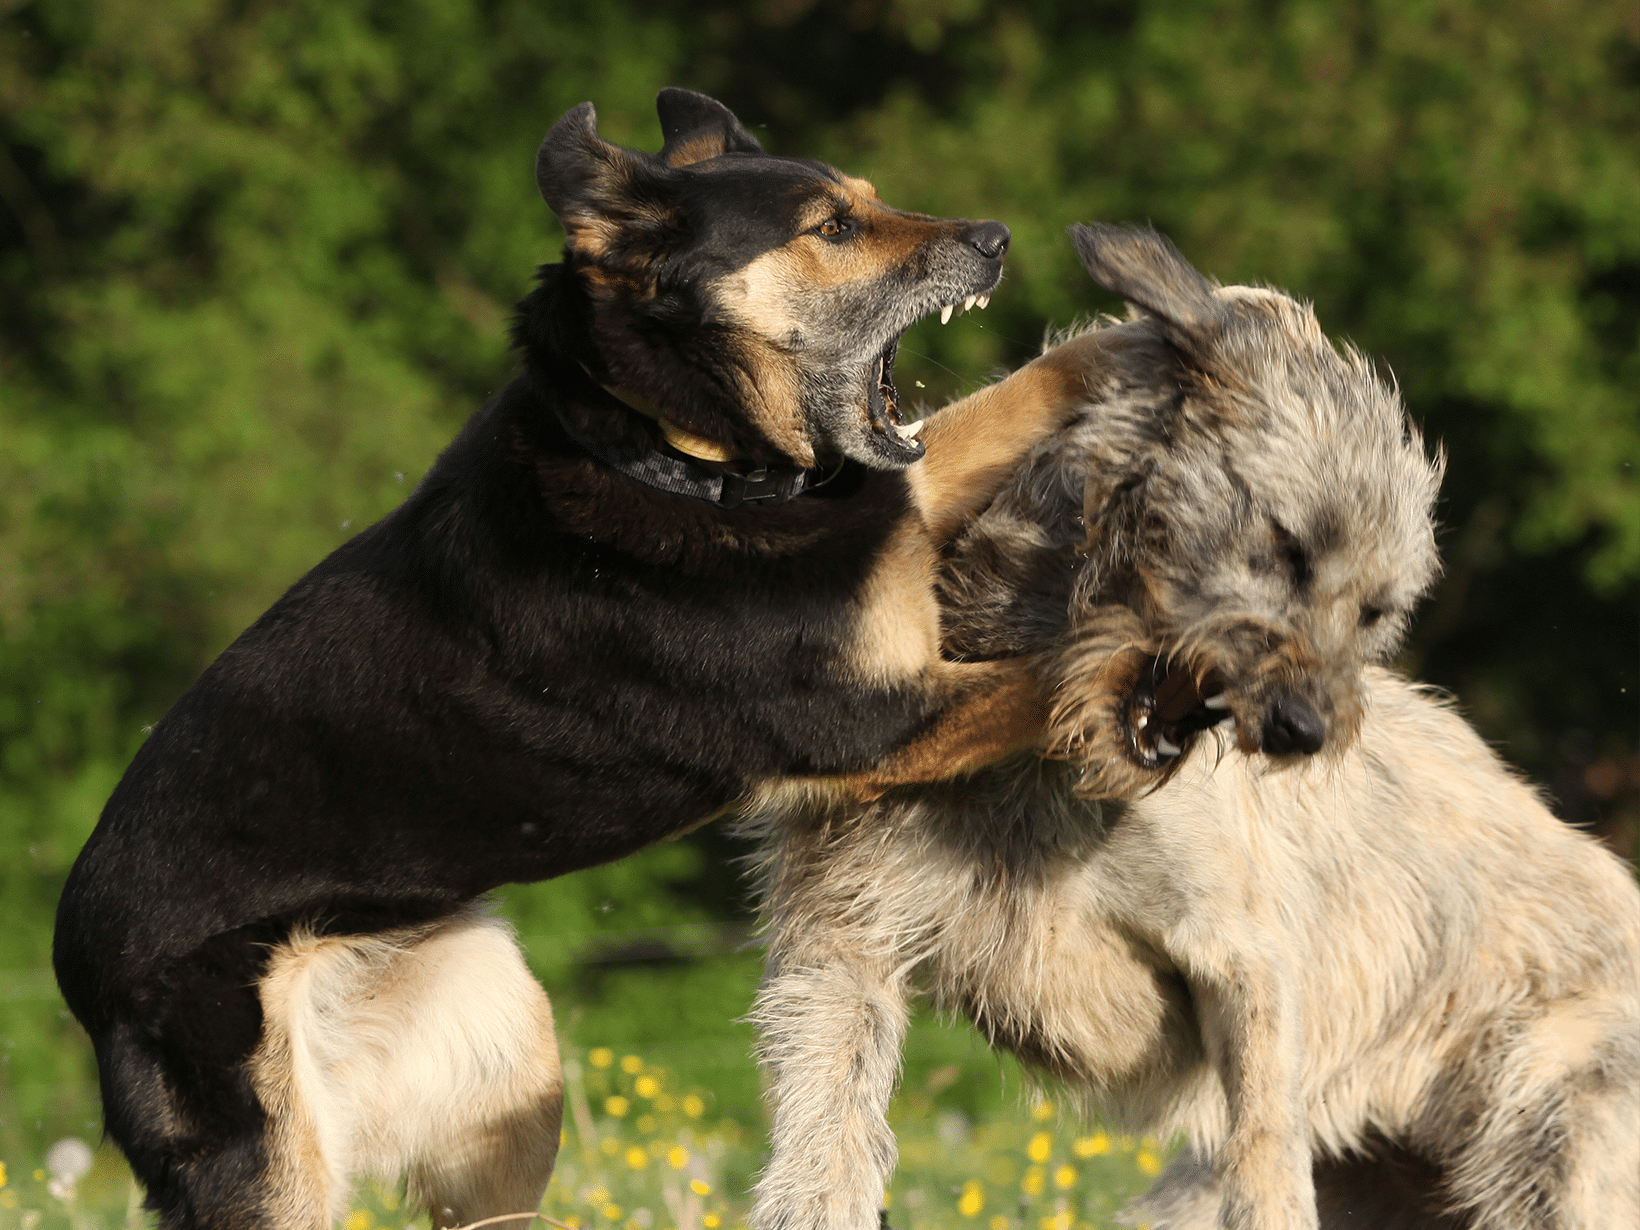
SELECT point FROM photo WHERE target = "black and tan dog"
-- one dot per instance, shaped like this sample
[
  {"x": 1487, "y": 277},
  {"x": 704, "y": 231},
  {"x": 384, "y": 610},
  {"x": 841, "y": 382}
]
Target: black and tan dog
[{"x": 686, "y": 556}]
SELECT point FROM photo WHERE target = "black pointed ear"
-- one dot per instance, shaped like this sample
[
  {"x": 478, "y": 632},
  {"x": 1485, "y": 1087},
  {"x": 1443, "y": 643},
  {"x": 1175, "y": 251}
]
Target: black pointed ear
[
  {"x": 595, "y": 187},
  {"x": 697, "y": 128},
  {"x": 1143, "y": 266}
]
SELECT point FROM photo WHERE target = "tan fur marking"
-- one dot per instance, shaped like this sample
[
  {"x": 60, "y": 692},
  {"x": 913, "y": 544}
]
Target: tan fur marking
[
  {"x": 426, "y": 1052},
  {"x": 698, "y": 149},
  {"x": 974, "y": 444},
  {"x": 898, "y": 630},
  {"x": 1001, "y": 711}
]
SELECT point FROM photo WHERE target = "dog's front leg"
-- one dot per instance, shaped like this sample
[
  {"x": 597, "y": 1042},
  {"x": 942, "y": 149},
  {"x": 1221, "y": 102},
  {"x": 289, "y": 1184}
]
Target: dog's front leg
[
  {"x": 975, "y": 445},
  {"x": 1250, "y": 1017},
  {"x": 831, "y": 1036}
]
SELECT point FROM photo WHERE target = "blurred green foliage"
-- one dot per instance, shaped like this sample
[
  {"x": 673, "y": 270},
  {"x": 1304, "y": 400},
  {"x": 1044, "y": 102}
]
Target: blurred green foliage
[{"x": 257, "y": 256}]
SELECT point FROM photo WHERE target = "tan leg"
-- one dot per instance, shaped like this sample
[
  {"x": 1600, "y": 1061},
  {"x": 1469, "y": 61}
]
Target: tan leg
[
  {"x": 999, "y": 710},
  {"x": 975, "y": 445},
  {"x": 426, "y": 1053}
]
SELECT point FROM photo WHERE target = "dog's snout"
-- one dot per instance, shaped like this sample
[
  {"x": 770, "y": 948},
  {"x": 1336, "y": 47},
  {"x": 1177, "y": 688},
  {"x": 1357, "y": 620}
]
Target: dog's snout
[
  {"x": 990, "y": 239},
  {"x": 1293, "y": 726}
]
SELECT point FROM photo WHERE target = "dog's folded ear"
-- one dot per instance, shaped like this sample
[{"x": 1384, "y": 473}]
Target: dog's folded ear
[
  {"x": 697, "y": 128},
  {"x": 1142, "y": 265},
  {"x": 594, "y": 186}
]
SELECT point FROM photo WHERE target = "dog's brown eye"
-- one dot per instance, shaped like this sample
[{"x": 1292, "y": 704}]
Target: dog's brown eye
[
  {"x": 1371, "y": 615},
  {"x": 835, "y": 228}
]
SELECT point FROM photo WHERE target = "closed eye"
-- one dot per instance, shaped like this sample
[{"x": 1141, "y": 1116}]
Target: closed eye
[
  {"x": 1371, "y": 615},
  {"x": 1298, "y": 559}
]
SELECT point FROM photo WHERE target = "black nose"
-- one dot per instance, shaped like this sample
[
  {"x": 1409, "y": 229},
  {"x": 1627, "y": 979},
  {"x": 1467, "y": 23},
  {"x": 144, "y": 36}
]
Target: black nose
[
  {"x": 989, "y": 238},
  {"x": 1293, "y": 727}
]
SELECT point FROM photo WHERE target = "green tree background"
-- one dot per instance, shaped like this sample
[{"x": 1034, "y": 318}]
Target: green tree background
[{"x": 257, "y": 259}]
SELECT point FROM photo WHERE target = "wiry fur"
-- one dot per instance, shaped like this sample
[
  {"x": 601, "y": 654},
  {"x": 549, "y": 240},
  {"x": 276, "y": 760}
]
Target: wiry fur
[
  {"x": 1378, "y": 988},
  {"x": 1255, "y": 522}
]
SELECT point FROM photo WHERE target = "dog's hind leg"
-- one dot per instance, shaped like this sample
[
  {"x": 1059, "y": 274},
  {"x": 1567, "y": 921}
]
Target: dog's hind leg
[
  {"x": 831, "y": 1037},
  {"x": 1557, "y": 1143},
  {"x": 427, "y": 1053}
]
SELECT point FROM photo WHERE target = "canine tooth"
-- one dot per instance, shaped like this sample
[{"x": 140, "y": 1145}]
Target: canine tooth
[
  {"x": 910, "y": 429},
  {"x": 969, "y": 302},
  {"x": 945, "y": 313},
  {"x": 1220, "y": 701},
  {"x": 984, "y": 301},
  {"x": 1165, "y": 746},
  {"x": 1144, "y": 720}
]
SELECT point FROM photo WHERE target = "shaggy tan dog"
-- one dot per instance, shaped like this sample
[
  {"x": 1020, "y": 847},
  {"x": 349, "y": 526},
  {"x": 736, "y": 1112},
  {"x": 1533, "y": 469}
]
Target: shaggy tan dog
[{"x": 1276, "y": 899}]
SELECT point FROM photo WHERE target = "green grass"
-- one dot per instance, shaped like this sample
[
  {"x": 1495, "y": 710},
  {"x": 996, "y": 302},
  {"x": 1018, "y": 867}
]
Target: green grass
[{"x": 653, "y": 1147}]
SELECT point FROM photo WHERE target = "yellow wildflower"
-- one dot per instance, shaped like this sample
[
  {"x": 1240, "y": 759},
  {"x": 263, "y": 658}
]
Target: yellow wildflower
[
  {"x": 39, "y": 1176},
  {"x": 700, "y": 1187},
  {"x": 637, "y": 1158},
  {"x": 8, "y": 1198},
  {"x": 1040, "y": 1148},
  {"x": 646, "y": 1086},
  {"x": 2, "y": 1174},
  {"x": 358, "y": 1219},
  {"x": 1148, "y": 1162},
  {"x": 694, "y": 1106},
  {"x": 1064, "y": 1177},
  {"x": 1032, "y": 1183},
  {"x": 711, "y": 1221},
  {"x": 617, "y": 1105},
  {"x": 601, "y": 1057},
  {"x": 610, "y": 1146},
  {"x": 611, "y": 1211},
  {"x": 631, "y": 1065},
  {"x": 677, "y": 1157},
  {"x": 999, "y": 1222},
  {"x": 1092, "y": 1146},
  {"x": 1042, "y": 1111},
  {"x": 972, "y": 1199}
]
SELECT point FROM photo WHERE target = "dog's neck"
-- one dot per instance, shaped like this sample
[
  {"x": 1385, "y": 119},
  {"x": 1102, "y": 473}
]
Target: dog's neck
[{"x": 686, "y": 442}]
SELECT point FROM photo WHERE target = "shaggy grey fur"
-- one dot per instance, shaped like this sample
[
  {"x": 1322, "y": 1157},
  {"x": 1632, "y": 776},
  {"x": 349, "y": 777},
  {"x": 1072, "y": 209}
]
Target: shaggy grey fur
[{"x": 1334, "y": 940}]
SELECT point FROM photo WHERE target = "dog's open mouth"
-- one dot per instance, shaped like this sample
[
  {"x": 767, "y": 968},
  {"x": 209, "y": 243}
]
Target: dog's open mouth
[
  {"x": 1168, "y": 706},
  {"x": 883, "y": 399},
  {"x": 883, "y": 407}
]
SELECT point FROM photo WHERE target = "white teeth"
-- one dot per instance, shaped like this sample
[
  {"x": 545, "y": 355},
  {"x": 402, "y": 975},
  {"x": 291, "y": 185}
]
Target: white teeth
[
  {"x": 969, "y": 302},
  {"x": 984, "y": 301},
  {"x": 1144, "y": 720},
  {"x": 1221, "y": 701},
  {"x": 945, "y": 313},
  {"x": 1164, "y": 747},
  {"x": 1228, "y": 719},
  {"x": 910, "y": 429}
]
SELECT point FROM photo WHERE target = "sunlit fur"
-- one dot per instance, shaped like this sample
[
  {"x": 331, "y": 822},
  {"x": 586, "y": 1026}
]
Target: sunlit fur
[
  {"x": 425, "y": 1053},
  {"x": 1380, "y": 987},
  {"x": 1255, "y": 507},
  {"x": 1392, "y": 953}
]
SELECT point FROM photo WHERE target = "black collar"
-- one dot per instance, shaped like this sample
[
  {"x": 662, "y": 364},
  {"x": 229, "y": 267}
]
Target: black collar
[{"x": 665, "y": 469}]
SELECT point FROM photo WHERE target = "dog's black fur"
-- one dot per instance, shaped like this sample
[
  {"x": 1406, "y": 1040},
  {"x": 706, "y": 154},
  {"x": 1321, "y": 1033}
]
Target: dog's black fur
[{"x": 537, "y": 664}]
